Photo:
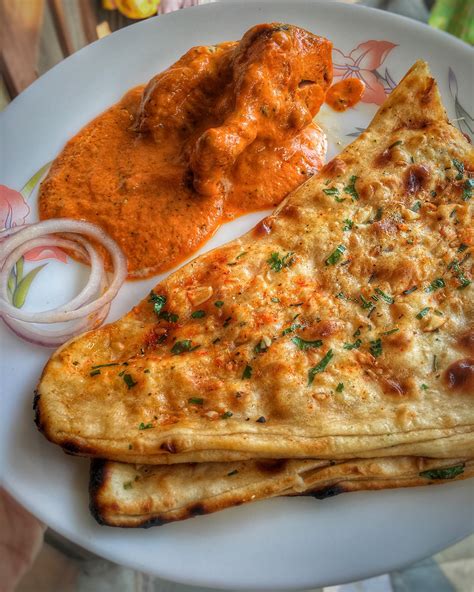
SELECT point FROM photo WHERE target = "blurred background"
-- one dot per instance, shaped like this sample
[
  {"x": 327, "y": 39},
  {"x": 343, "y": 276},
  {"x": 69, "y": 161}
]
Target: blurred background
[
  {"x": 37, "y": 34},
  {"x": 34, "y": 36}
]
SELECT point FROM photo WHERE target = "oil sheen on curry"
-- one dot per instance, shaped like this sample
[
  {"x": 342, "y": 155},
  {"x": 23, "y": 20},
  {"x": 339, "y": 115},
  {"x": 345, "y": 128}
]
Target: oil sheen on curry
[{"x": 226, "y": 130}]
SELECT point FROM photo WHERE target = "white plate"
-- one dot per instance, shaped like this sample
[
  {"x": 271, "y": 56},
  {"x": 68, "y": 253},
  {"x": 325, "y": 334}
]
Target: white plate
[{"x": 276, "y": 544}]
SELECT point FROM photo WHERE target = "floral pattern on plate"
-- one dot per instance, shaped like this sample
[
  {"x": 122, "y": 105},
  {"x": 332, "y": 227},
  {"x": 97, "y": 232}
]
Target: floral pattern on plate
[
  {"x": 363, "y": 62},
  {"x": 14, "y": 211}
]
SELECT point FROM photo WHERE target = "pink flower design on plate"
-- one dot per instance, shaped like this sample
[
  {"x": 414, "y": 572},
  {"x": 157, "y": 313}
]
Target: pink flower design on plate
[
  {"x": 39, "y": 253},
  {"x": 362, "y": 63},
  {"x": 14, "y": 211},
  {"x": 13, "y": 208}
]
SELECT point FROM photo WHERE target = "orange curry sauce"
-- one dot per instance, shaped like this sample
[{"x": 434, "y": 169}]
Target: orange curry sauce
[
  {"x": 345, "y": 94},
  {"x": 224, "y": 131}
]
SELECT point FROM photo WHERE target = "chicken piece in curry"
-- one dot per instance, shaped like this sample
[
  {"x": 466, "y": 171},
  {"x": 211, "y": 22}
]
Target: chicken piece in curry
[{"x": 226, "y": 130}]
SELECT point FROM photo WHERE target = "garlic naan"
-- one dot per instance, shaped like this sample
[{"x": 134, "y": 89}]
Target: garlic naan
[
  {"x": 340, "y": 327},
  {"x": 150, "y": 495}
]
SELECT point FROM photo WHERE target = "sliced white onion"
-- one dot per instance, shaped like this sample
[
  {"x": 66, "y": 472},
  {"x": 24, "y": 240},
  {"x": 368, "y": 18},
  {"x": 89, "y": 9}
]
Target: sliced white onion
[
  {"x": 90, "y": 307},
  {"x": 87, "y": 293},
  {"x": 38, "y": 336}
]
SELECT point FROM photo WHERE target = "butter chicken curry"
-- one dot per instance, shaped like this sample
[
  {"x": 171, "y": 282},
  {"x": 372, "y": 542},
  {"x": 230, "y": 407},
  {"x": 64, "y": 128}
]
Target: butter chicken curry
[{"x": 226, "y": 130}]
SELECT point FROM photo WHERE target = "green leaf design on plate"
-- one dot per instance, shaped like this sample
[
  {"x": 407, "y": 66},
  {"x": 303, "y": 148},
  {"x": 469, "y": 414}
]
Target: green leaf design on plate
[
  {"x": 19, "y": 296},
  {"x": 11, "y": 285},
  {"x": 31, "y": 183},
  {"x": 19, "y": 269},
  {"x": 15, "y": 277}
]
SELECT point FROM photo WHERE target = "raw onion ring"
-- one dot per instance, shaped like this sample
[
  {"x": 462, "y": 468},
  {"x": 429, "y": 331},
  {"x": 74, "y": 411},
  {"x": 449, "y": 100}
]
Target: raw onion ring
[{"x": 90, "y": 307}]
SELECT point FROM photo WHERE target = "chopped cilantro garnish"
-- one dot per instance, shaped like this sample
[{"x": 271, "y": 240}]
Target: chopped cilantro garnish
[
  {"x": 462, "y": 247},
  {"x": 448, "y": 473},
  {"x": 128, "y": 379},
  {"x": 128, "y": 485},
  {"x": 198, "y": 314},
  {"x": 460, "y": 168},
  {"x": 241, "y": 254},
  {"x": 145, "y": 426},
  {"x": 331, "y": 191},
  {"x": 158, "y": 301},
  {"x": 95, "y": 372},
  {"x": 171, "y": 317},
  {"x": 436, "y": 285},
  {"x": 416, "y": 206},
  {"x": 260, "y": 347},
  {"x": 410, "y": 290},
  {"x": 339, "y": 199},
  {"x": 247, "y": 373},
  {"x": 397, "y": 143},
  {"x": 350, "y": 187},
  {"x": 340, "y": 387},
  {"x": 219, "y": 303},
  {"x": 335, "y": 255},
  {"x": 340, "y": 295},
  {"x": 423, "y": 312},
  {"x": 464, "y": 282},
  {"x": 183, "y": 346},
  {"x": 304, "y": 345},
  {"x": 376, "y": 347},
  {"x": 424, "y": 387},
  {"x": 195, "y": 401},
  {"x": 354, "y": 345},
  {"x": 320, "y": 366},
  {"x": 277, "y": 262},
  {"x": 391, "y": 331},
  {"x": 384, "y": 296},
  {"x": 467, "y": 189},
  {"x": 104, "y": 365},
  {"x": 234, "y": 472},
  {"x": 227, "y": 414},
  {"x": 357, "y": 332},
  {"x": 454, "y": 265},
  {"x": 366, "y": 303},
  {"x": 291, "y": 328},
  {"x": 348, "y": 224}
]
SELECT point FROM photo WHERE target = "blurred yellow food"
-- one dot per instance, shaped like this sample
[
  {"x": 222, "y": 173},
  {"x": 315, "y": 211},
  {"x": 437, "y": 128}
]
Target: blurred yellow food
[{"x": 134, "y": 9}]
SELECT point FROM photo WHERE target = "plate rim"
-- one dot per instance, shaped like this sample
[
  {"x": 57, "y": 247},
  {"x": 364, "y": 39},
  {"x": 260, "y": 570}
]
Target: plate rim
[{"x": 44, "y": 79}]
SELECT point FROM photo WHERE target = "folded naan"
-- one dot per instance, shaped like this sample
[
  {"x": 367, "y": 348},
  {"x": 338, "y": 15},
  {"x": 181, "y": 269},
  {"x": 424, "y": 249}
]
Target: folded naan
[
  {"x": 340, "y": 327},
  {"x": 150, "y": 495}
]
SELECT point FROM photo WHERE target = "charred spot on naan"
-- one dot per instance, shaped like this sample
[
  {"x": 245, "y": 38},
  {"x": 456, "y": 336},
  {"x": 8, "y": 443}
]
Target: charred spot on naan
[
  {"x": 36, "y": 410},
  {"x": 326, "y": 492},
  {"x": 459, "y": 376}
]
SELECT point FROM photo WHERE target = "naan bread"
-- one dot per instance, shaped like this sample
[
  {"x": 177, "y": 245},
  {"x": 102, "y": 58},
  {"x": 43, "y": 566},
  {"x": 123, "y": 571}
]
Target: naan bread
[
  {"x": 150, "y": 495},
  {"x": 340, "y": 327}
]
